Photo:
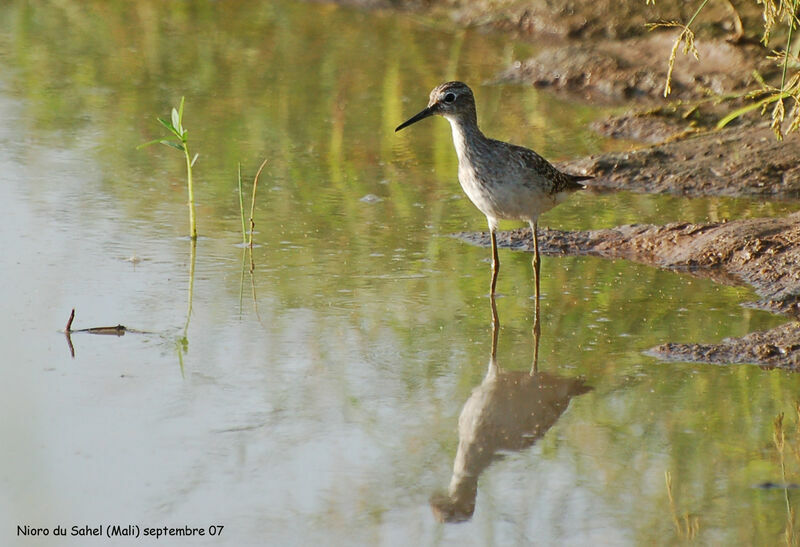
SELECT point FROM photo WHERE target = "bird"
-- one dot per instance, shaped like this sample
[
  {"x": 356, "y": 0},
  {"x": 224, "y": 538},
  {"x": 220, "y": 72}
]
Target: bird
[{"x": 503, "y": 180}]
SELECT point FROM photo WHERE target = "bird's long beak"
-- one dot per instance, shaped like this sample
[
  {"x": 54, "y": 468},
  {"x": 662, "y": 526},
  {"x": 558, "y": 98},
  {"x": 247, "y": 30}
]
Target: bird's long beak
[{"x": 422, "y": 115}]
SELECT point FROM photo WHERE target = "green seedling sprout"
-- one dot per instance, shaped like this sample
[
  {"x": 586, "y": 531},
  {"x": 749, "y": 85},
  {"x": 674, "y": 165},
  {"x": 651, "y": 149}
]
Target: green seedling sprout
[{"x": 175, "y": 126}]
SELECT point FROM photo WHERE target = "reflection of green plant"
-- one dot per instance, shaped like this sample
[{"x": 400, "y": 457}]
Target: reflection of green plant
[
  {"x": 182, "y": 344},
  {"x": 774, "y": 14},
  {"x": 244, "y": 234},
  {"x": 241, "y": 203},
  {"x": 175, "y": 126},
  {"x": 687, "y": 526}
]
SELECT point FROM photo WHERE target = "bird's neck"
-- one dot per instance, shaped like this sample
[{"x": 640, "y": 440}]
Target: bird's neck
[{"x": 466, "y": 134}]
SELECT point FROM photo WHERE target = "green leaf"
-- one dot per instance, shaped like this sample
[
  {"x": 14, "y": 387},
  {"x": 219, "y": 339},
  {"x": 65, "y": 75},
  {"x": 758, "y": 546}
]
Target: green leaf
[
  {"x": 165, "y": 123},
  {"x": 180, "y": 118},
  {"x": 176, "y": 122},
  {"x": 148, "y": 143},
  {"x": 173, "y": 144},
  {"x": 169, "y": 127}
]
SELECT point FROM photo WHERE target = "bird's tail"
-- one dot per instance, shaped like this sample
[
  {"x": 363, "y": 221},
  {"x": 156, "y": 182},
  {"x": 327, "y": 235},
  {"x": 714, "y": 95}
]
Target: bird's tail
[{"x": 575, "y": 181}]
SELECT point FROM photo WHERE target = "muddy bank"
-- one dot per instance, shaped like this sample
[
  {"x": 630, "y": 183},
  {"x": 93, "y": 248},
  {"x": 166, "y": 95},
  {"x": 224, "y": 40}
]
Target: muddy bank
[
  {"x": 591, "y": 19},
  {"x": 636, "y": 69},
  {"x": 775, "y": 348},
  {"x": 764, "y": 253},
  {"x": 740, "y": 161}
]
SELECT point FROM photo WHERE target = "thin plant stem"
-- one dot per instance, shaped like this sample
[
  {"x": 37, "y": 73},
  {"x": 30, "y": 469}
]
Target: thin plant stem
[
  {"x": 253, "y": 202},
  {"x": 687, "y": 37},
  {"x": 696, "y": 13},
  {"x": 788, "y": 46},
  {"x": 190, "y": 185},
  {"x": 182, "y": 135},
  {"x": 778, "y": 112}
]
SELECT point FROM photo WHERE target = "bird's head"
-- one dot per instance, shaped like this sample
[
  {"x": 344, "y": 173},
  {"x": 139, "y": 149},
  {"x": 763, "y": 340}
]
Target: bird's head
[{"x": 451, "y": 100}]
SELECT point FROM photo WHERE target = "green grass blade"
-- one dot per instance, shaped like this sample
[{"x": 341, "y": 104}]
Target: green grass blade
[{"x": 749, "y": 108}]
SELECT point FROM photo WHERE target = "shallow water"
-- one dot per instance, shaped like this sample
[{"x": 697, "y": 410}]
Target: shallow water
[{"x": 317, "y": 400}]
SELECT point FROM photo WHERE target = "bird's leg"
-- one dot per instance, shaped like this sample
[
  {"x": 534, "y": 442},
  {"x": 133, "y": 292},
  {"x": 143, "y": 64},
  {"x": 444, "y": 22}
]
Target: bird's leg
[
  {"x": 536, "y": 260},
  {"x": 536, "y": 332},
  {"x": 495, "y": 260},
  {"x": 536, "y": 323},
  {"x": 495, "y": 270}
]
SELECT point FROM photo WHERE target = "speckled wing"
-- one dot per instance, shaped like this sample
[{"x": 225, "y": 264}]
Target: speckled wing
[{"x": 544, "y": 170}]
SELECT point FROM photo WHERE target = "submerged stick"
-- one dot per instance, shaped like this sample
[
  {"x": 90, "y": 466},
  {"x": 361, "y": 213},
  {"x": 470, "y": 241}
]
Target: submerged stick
[
  {"x": 69, "y": 321},
  {"x": 119, "y": 330},
  {"x": 67, "y": 331}
]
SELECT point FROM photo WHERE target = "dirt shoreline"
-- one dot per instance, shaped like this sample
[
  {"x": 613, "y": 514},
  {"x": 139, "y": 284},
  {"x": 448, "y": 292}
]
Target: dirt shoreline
[{"x": 737, "y": 161}]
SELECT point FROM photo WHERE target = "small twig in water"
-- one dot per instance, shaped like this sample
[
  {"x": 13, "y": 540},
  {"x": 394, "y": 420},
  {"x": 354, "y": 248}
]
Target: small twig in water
[{"x": 117, "y": 330}]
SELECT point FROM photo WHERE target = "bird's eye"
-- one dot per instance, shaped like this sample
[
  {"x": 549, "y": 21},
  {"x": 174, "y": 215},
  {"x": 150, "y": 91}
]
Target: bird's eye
[{"x": 449, "y": 98}]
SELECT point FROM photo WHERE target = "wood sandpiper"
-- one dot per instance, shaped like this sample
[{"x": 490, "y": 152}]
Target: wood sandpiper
[{"x": 503, "y": 180}]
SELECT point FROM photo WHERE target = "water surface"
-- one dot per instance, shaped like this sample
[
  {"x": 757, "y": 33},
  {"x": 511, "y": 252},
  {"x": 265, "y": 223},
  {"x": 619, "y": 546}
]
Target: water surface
[{"x": 317, "y": 400}]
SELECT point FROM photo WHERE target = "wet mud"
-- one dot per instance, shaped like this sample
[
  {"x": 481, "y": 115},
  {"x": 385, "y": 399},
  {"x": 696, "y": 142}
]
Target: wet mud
[
  {"x": 591, "y": 19},
  {"x": 738, "y": 161},
  {"x": 636, "y": 70}
]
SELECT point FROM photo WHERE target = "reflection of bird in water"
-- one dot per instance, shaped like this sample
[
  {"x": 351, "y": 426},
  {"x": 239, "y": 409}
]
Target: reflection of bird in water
[{"x": 510, "y": 410}]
